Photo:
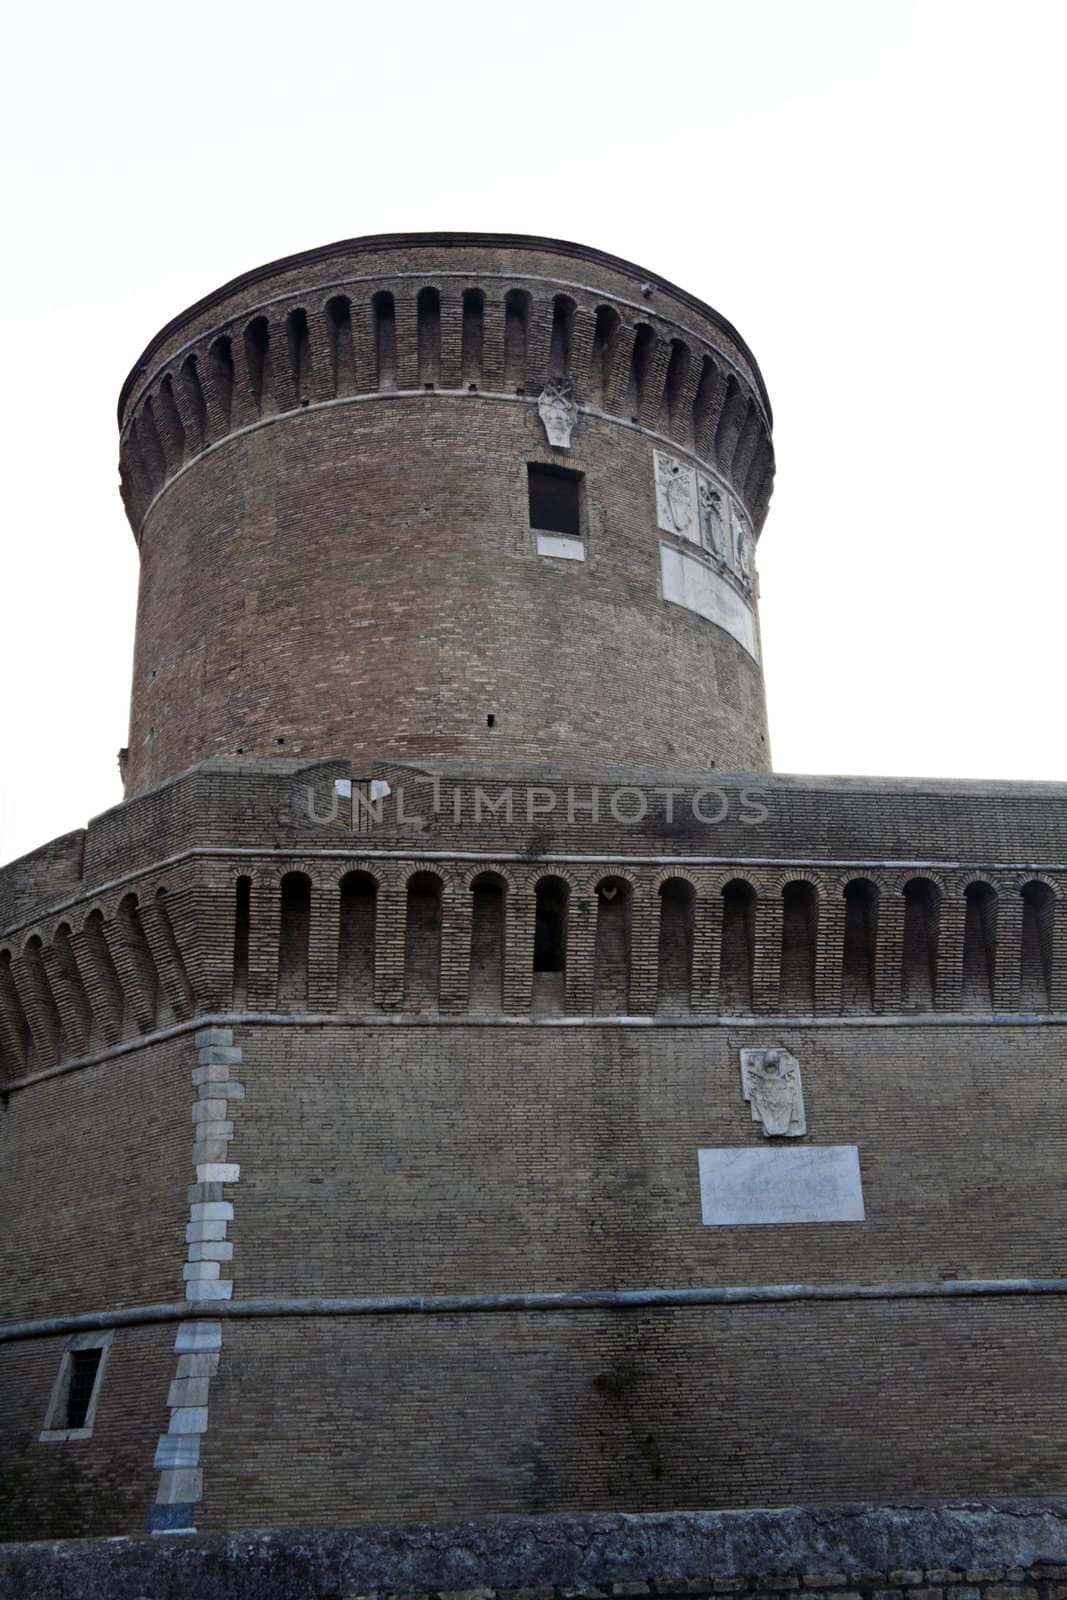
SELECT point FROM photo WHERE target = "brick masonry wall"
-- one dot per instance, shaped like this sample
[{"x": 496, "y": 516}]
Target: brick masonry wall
[
  {"x": 363, "y": 579},
  {"x": 423, "y": 1160},
  {"x": 241, "y": 802},
  {"x": 157, "y": 948},
  {"x": 94, "y": 1172},
  {"x": 449, "y": 1160},
  {"x": 319, "y": 1421},
  {"x": 78, "y": 1487},
  {"x": 340, "y": 581}
]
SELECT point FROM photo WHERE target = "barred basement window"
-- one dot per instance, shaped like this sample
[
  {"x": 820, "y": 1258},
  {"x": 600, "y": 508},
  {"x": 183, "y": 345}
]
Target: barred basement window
[{"x": 72, "y": 1406}]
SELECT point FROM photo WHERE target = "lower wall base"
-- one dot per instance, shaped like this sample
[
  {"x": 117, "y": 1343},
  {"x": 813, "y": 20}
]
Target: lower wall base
[{"x": 1012, "y": 1550}]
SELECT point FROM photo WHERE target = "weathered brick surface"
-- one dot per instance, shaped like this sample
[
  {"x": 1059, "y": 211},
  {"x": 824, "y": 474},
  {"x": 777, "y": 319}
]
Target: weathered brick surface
[
  {"x": 95, "y": 1167},
  {"x": 415, "y": 1160},
  {"x": 479, "y": 1052},
  {"x": 74, "y": 1488}
]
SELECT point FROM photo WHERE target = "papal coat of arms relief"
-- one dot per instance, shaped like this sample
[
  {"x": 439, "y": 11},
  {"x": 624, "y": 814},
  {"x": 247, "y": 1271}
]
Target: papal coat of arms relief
[
  {"x": 695, "y": 507},
  {"x": 770, "y": 1082}
]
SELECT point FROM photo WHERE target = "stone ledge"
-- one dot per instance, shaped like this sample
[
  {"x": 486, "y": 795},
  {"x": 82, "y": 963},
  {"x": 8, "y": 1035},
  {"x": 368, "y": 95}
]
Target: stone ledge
[{"x": 681, "y": 1553}]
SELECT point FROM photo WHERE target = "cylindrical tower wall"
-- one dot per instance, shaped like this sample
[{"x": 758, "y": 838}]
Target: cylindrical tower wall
[{"x": 447, "y": 496}]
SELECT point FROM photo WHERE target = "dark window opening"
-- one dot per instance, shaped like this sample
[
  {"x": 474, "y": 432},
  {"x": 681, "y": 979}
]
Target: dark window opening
[
  {"x": 550, "y": 926},
  {"x": 918, "y": 962},
  {"x": 800, "y": 917},
  {"x": 738, "y": 951},
  {"x": 979, "y": 947},
  {"x": 241, "y": 923},
  {"x": 488, "y": 911},
  {"x": 555, "y": 500},
  {"x": 1035, "y": 956},
  {"x": 84, "y": 1366},
  {"x": 294, "y": 939}
]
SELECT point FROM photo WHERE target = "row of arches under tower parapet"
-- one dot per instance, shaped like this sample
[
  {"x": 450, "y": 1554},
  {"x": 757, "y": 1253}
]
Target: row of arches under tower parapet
[
  {"x": 115, "y": 977},
  {"x": 453, "y": 338},
  {"x": 534, "y": 940},
  {"x": 916, "y": 952}
]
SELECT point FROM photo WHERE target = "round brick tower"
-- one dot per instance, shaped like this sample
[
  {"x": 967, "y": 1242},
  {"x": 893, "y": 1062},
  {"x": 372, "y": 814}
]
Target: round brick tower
[{"x": 447, "y": 496}]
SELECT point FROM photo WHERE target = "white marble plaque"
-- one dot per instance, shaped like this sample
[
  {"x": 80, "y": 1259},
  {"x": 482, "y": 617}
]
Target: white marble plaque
[
  {"x": 676, "y": 497},
  {"x": 693, "y": 584},
  {"x": 784, "y": 1183},
  {"x": 557, "y": 544}
]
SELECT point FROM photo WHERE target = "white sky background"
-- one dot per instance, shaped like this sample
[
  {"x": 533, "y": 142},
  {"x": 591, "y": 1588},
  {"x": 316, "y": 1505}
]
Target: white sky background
[{"x": 871, "y": 190}]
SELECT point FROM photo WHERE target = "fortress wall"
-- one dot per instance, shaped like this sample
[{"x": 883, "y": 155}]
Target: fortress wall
[
  {"x": 95, "y": 1169},
  {"x": 237, "y": 801},
  {"x": 497, "y": 1052},
  {"x": 81, "y": 1487},
  {"x": 155, "y": 950},
  {"x": 732, "y": 1407},
  {"x": 429, "y": 1161},
  {"x": 466, "y": 1160}
]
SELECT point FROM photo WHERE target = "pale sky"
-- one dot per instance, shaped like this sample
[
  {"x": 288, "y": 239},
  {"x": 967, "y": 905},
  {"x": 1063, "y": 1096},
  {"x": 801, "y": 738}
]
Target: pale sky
[{"x": 871, "y": 190}]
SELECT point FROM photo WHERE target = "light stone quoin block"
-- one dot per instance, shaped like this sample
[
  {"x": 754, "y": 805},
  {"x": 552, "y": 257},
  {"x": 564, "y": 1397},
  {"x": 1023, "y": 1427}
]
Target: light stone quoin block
[
  {"x": 783, "y": 1184},
  {"x": 218, "y": 1172},
  {"x": 205, "y": 1037},
  {"x": 180, "y": 1486},
  {"x": 189, "y": 1392},
  {"x": 219, "y": 1056},
  {"x": 198, "y": 1336},
  {"x": 177, "y": 1450},
  {"x": 210, "y": 1110},
  {"x": 204, "y": 1075},
  {"x": 201, "y": 1232},
  {"x": 210, "y": 1250},
  {"x": 203, "y": 1365},
  {"x": 188, "y": 1419},
  {"x": 209, "y": 1289},
  {"x": 200, "y": 1269},
  {"x": 208, "y": 1152}
]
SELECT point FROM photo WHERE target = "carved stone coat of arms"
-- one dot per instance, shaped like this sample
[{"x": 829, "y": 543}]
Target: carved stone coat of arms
[{"x": 770, "y": 1082}]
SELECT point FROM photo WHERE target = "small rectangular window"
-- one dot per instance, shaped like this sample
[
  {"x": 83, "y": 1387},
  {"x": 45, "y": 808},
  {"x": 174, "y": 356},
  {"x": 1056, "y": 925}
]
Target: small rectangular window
[
  {"x": 72, "y": 1406},
  {"x": 84, "y": 1366},
  {"x": 555, "y": 500}
]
